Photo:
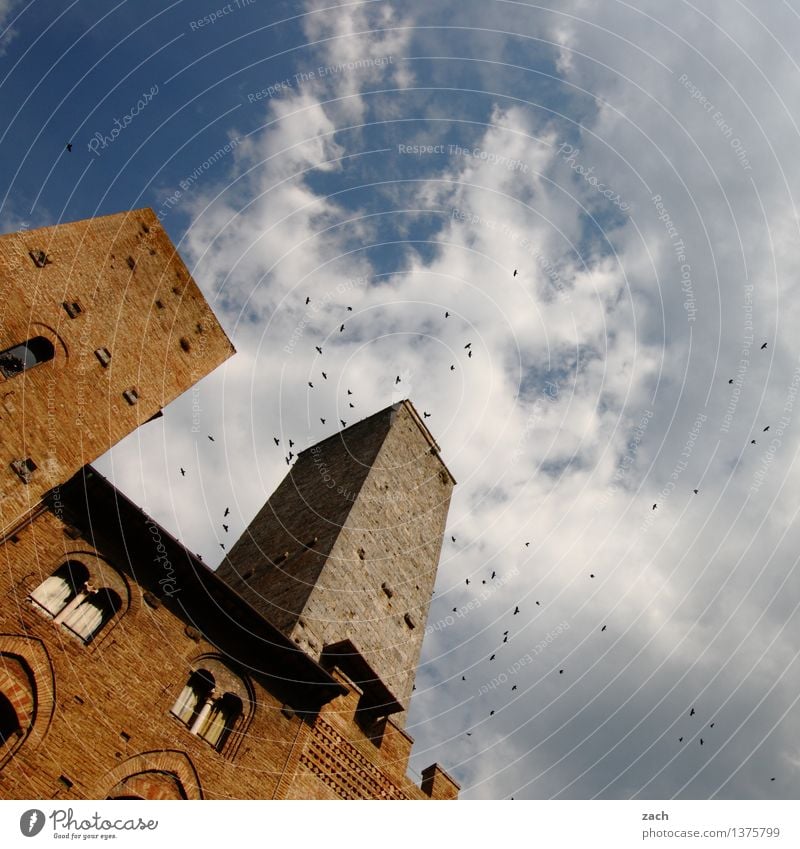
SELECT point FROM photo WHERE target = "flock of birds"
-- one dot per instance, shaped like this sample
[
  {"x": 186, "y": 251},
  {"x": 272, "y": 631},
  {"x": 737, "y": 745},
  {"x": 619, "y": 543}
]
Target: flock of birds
[{"x": 398, "y": 380}]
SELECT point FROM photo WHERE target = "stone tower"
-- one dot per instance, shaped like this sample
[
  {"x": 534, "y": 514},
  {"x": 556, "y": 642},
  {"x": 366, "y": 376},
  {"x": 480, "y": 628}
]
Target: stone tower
[
  {"x": 102, "y": 327},
  {"x": 342, "y": 558}
]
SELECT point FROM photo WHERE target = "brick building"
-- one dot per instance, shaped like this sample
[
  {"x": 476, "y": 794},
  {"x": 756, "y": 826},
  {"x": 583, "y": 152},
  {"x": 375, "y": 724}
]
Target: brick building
[{"x": 128, "y": 669}]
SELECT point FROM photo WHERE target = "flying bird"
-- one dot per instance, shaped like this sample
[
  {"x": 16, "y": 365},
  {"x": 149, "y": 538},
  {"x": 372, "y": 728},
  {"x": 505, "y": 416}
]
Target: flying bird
[
  {"x": 310, "y": 384},
  {"x": 654, "y": 506},
  {"x": 695, "y": 491},
  {"x": 592, "y": 575},
  {"x": 527, "y": 544},
  {"x": 763, "y": 346},
  {"x": 469, "y": 353},
  {"x": 308, "y": 300},
  {"x": 680, "y": 739},
  {"x": 752, "y": 442},
  {"x": 322, "y": 420},
  {"x": 491, "y": 713},
  {"x": 701, "y": 741},
  {"x": 226, "y": 528},
  {"x": 691, "y": 712},
  {"x": 515, "y": 273},
  {"x": 493, "y": 574},
  {"x": 349, "y": 309},
  {"x": 227, "y": 510},
  {"x": 352, "y": 405},
  {"x": 765, "y": 429},
  {"x": 514, "y": 687},
  {"x": 211, "y": 438},
  {"x": 344, "y": 423},
  {"x": 603, "y": 628},
  {"x": 291, "y": 444},
  {"x": 349, "y": 392},
  {"x": 453, "y": 538},
  {"x": 324, "y": 376},
  {"x": 447, "y": 315},
  {"x": 319, "y": 350},
  {"x": 452, "y": 368},
  {"x": 467, "y": 581},
  {"x": 492, "y": 657},
  {"x": 341, "y": 328},
  {"x": 425, "y": 415},
  {"x": 69, "y": 147},
  {"x": 468, "y": 345},
  {"x": 183, "y": 472},
  {"x": 276, "y": 440},
  {"x": 560, "y": 671},
  {"x": 516, "y": 610},
  {"x": 222, "y": 546}
]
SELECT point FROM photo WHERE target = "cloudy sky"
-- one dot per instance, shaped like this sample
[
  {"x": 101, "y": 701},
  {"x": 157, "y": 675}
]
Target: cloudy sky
[{"x": 635, "y": 165}]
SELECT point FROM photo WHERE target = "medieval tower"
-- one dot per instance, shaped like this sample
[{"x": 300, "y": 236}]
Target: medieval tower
[{"x": 128, "y": 669}]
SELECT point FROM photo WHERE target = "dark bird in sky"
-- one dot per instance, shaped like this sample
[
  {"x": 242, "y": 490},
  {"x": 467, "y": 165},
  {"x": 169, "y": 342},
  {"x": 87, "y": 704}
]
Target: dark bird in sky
[
  {"x": 492, "y": 657},
  {"x": 352, "y": 405},
  {"x": 69, "y": 147},
  {"x": 505, "y": 633},
  {"x": 227, "y": 510},
  {"x": 447, "y": 315},
  {"x": 469, "y": 734},
  {"x": 291, "y": 455},
  {"x": 463, "y": 677},
  {"x": 515, "y": 273},
  {"x": 291, "y": 444},
  {"x": 469, "y": 354},
  {"x": 425, "y": 415},
  {"x": 516, "y": 611},
  {"x": 453, "y": 538},
  {"x": 467, "y": 581},
  {"x": 222, "y": 546},
  {"x": 772, "y": 779},
  {"x": 527, "y": 544},
  {"x": 397, "y": 380},
  {"x": 560, "y": 671},
  {"x": 592, "y": 575},
  {"x": 349, "y": 392},
  {"x": 691, "y": 712},
  {"x": 752, "y": 442},
  {"x": 322, "y": 420},
  {"x": 695, "y": 491},
  {"x": 344, "y": 423},
  {"x": 505, "y": 639},
  {"x": 183, "y": 472},
  {"x": 452, "y": 368},
  {"x": 308, "y": 300},
  {"x": 341, "y": 328},
  {"x": 680, "y": 739},
  {"x": 349, "y": 309},
  {"x": 226, "y": 528},
  {"x": 654, "y": 506},
  {"x": 514, "y": 687},
  {"x": 319, "y": 350},
  {"x": 491, "y": 713},
  {"x": 324, "y": 376},
  {"x": 712, "y": 725},
  {"x": 211, "y": 438},
  {"x": 537, "y": 604},
  {"x": 603, "y": 628},
  {"x": 701, "y": 741},
  {"x": 468, "y": 345},
  {"x": 763, "y": 346},
  {"x": 276, "y": 440},
  {"x": 731, "y": 380},
  {"x": 493, "y": 574},
  {"x": 765, "y": 429},
  {"x": 455, "y": 609},
  {"x": 288, "y": 461},
  {"x": 310, "y": 384}
]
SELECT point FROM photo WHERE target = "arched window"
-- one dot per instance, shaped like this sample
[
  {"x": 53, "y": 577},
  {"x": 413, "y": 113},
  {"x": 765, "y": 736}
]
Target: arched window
[
  {"x": 212, "y": 704},
  {"x": 194, "y": 695},
  {"x": 89, "y": 616},
  {"x": 221, "y": 719},
  {"x": 62, "y": 587},
  {"x": 70, "y": 596},
  {"x": 20, "y": 358}
]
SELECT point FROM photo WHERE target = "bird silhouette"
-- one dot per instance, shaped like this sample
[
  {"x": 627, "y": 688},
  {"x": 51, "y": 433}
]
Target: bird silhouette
[
  {"x": 772, "y": 779},
  {"x": 227, "y": 511},
  {"x": 516, "y": 611},
  {"x": 505, "y": 639},
  {"x": 425, "y": 415},
  {"x": 514, "y": 687},
  {"x": 467, "y": 581},
  {"x": 447, "y": 315},
  {"x": 69, "y": 147},
  {"x": 349, "y": 392},
  {"x": 453, "y": 538},
  {"x": 731, "y": 380},
  {"x": 397, "y": 380},
  {"x": 765, "y": 429},
  {"x": 491, "y": 713},
  {"x": 493, "y": 574},
  {"x": 344, "y": 423},
  {"x": 654, "y": 506},
  {"x": 752, "y": 442},
  {"x": 324, "y": 376},
  {"x": 322, "y": 420},
  {"x": 352, "y": 405},
  {"x": 469, "y": 354},
  {"x": 211, "y": 438},
  {"x": 515, "y": 273},
  {"x": 603, "y": 628},
  {"x": 319, "y": 350},
  {"x": 680, "y": 739},
  {"x": 592, "y": 575},
  {"x": 226, "y": 528},
  {"x": 712, "y": 725},
  {"x": 310, "y": 384},
  {"x": 468, "y": 345},
  {"x": 452, "y": 368},
  {"x": 291, "y": 455},
  {"x": 291, "y": 444},
  {"x": 222, "y": 546},
  {"x": 695, "y": 491},
  {"x": 469, "y": 734},
  {"x": 463, "y": 677},
  {"x": 183, "y": 472},
  {"x": 288, "y": 461},
  {"x": 349, "y": 309},
  {"x": 341, "y": 328},
  {"x": 691, "y": 712},
  {"x": 560, "y": 671},
  {"x": 763, "y": 346},
  {"x": 492, "y": 657},
  {"x": 527, "y": 544},
  {"x": 308, "y": 300},
  {"x": 276, "y": 440},
  {"x": 701, "y": 741}
]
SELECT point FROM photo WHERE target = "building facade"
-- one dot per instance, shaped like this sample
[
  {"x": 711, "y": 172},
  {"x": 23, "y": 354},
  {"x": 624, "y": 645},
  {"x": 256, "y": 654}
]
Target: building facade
[{"x": 128, "y": 669}]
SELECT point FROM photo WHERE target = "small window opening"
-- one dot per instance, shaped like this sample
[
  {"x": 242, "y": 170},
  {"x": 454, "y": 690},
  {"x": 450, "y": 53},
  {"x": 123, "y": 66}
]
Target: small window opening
[
  {"x": 104, "y": 355},
  {"x": 40, "y": 258},
  {"x": 131, "y": 396},
  {"x": 24, "y": 468},
  {"x": 14, "y": 361},
  {"x": 73, "y": 308}
]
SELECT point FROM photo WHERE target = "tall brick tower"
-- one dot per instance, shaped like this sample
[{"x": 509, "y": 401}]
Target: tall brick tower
[
  {"x": 102, "y": 326},
  {"x": 342, "y": 558}
]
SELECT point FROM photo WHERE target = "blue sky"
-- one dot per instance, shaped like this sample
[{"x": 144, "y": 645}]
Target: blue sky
[{"x": 637, "y": 167}]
